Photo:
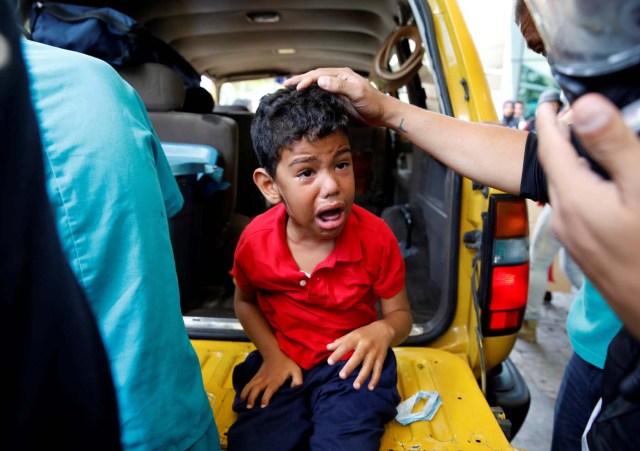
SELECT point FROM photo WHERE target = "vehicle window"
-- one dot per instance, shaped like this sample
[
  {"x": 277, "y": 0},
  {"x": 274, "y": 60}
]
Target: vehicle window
[
  {"x": 429, "y": 192},
  {"x": 247, "y": 93},
  {"x": 427, "y": 81}
]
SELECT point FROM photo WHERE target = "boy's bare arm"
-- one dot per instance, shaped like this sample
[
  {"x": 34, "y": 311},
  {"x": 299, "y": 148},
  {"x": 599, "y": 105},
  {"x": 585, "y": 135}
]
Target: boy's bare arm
[
  {"x": 371, "y": 343},
  {"x": 277, "y": 367}
]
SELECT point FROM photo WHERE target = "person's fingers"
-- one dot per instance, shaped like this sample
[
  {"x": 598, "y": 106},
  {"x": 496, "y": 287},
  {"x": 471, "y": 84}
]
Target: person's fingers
[
  {"x": 336, "y": 85},
  {"x": 254, "y": 392},
  {"x": 339, "y": 348},
  {"x": 296, "y": 79},
  {"x": 555, "y": 152},
  {"x": 552, "y": 103},
  {"x": 601, "y": 129},
  {"x": 266, "y": 396},
  {"x": 365, "y": 371},
  {"x": 353, "y": 362},
  {"x": 246, "y": 390},
  {"x": 303, "y": 81},
  {"x": 566, "y": 116},
  {"x": 334, "y": 345},
  {"x": 377, "y": 371},
  {"x": 296, "y": 377}
]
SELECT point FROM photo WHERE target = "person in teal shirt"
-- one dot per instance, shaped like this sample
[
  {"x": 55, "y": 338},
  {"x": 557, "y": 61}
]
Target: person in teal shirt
[
  {"x": 591, "y": 325},
  {"x": 112, "y": 191}
]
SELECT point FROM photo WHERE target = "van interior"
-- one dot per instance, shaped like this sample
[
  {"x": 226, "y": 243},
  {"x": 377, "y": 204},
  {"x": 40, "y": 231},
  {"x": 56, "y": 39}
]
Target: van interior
[{"x": 243, "y": 49}]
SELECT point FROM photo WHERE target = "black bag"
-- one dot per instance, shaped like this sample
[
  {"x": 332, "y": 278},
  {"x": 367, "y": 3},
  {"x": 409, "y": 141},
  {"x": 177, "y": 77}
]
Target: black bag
[
  {"x": 615, "y": 427},
  {"x": 106, "y": 34}
]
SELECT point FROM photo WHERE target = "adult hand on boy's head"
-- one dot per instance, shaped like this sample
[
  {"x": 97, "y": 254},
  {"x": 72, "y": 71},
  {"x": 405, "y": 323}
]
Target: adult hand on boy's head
[
  {"x": 273, "y": 373},
  {"x": 596, "y": 219},
  {"x": 369, "y": 345},
  {"x": 363, "y": 101}
]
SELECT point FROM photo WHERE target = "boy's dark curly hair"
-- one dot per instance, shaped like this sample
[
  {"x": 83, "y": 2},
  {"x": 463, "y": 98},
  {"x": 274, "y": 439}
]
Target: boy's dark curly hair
[{"x": 287, "y": 115}]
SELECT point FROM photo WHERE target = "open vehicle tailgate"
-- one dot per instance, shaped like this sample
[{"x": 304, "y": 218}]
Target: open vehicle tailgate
[{"x": 463, "y": 422}]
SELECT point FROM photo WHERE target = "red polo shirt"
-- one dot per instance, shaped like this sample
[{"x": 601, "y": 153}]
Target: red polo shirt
[{"x": 307, "y": 313}]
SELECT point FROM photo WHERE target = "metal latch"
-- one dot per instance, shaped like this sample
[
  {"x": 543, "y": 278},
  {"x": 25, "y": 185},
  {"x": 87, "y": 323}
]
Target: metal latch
[
  {"x": 472, "y": 239},
  {"x": 479, "y": 186}
]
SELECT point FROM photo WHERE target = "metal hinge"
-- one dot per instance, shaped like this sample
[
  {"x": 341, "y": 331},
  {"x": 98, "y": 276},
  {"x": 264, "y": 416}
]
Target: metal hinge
[{"x": 479, "y": 186}]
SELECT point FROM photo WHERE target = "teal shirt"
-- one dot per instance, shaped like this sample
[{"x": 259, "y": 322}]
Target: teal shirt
[
  {"x": 591, "y": 325},
  {"x": 112, "y": 190}
]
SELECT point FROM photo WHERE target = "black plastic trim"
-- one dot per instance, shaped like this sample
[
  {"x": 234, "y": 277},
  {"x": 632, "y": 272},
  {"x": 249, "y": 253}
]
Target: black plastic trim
[{"x": 507, "y": 388}]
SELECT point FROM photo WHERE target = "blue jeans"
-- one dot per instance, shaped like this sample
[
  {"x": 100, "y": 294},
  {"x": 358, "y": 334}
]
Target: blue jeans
[
  {"x": 579, "y": 393},
  {"x": 324, "y": 413}
]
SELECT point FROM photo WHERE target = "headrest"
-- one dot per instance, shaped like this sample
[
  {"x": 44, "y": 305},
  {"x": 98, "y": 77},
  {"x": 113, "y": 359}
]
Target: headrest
[
  {"x": 159, "y": 86},
  {"x": 198, "y": 100},
  {"x": 230, "y": 109}
]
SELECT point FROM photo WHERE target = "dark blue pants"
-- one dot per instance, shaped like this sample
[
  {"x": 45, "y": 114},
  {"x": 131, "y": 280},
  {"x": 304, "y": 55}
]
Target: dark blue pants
[
  {"x": 579, "y": 392},
  {"x": 324, "y": 413}
]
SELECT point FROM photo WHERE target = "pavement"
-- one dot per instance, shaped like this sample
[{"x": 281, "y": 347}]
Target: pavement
[{"x": 542, "y": 365}]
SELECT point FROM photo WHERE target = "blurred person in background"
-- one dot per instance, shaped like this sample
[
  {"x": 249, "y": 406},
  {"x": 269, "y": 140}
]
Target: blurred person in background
[
  {"x": 507, "y": 113},
  {"x": 519, "y": 121}
]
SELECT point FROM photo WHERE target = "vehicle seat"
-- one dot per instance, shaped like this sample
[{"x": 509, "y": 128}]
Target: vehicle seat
[
  {"x": 251, "y": 202},
  {"x": 370, "y": 159},
  {"x": 163, "y": 94}
]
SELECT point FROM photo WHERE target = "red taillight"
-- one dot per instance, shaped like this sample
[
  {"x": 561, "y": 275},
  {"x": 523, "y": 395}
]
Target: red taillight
[
  {"x": 509, "y": 319},
  {"x": 509, "y": 285},
  {"x": 508, "y": 267}
]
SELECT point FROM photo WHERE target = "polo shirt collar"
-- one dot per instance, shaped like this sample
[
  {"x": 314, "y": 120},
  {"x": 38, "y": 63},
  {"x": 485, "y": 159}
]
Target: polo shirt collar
[{"x": 348, "y": 246}]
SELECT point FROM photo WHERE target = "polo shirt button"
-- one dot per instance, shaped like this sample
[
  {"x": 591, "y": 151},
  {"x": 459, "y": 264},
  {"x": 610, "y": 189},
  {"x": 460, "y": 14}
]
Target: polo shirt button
[{"x": 303, "y": 283}]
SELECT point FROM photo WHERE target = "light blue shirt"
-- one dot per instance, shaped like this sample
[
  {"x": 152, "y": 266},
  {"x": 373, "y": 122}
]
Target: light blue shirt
[
  {"x": 112, "y": 190},
  {"x": 591, "y": 325}
]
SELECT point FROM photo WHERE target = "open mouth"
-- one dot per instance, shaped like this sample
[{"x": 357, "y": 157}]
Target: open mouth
[
  {"x": 331, "y": 218},
  {"x": 330, "y": 215}
]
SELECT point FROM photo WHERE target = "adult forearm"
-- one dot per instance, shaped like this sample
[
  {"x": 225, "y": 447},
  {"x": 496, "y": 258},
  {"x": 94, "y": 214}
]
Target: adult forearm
[{"x": 490, "y": 154}]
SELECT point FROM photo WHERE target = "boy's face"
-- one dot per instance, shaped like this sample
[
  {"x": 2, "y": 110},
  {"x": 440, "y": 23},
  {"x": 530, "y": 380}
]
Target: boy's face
[{"x": 316, "y": 183}]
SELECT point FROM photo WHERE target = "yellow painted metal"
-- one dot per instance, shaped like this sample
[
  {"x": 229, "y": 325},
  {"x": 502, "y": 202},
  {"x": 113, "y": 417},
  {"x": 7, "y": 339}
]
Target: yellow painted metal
[
  {"x": 461, "y": 62},
  {"x": 463, "y": 422},
  {"x": 217, "y": 360}
]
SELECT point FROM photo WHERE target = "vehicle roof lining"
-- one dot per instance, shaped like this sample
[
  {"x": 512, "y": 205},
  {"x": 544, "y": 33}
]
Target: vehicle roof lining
[{"x": 217, "y": 38}]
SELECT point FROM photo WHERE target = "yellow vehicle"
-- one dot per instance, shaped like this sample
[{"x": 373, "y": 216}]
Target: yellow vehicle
[{"x": 465, "y": 245}]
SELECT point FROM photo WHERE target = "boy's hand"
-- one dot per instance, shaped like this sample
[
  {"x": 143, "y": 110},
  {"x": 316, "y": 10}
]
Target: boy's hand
[
  {"x": 273, "y": 373},
  {"x": 370, "y": 345}
]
